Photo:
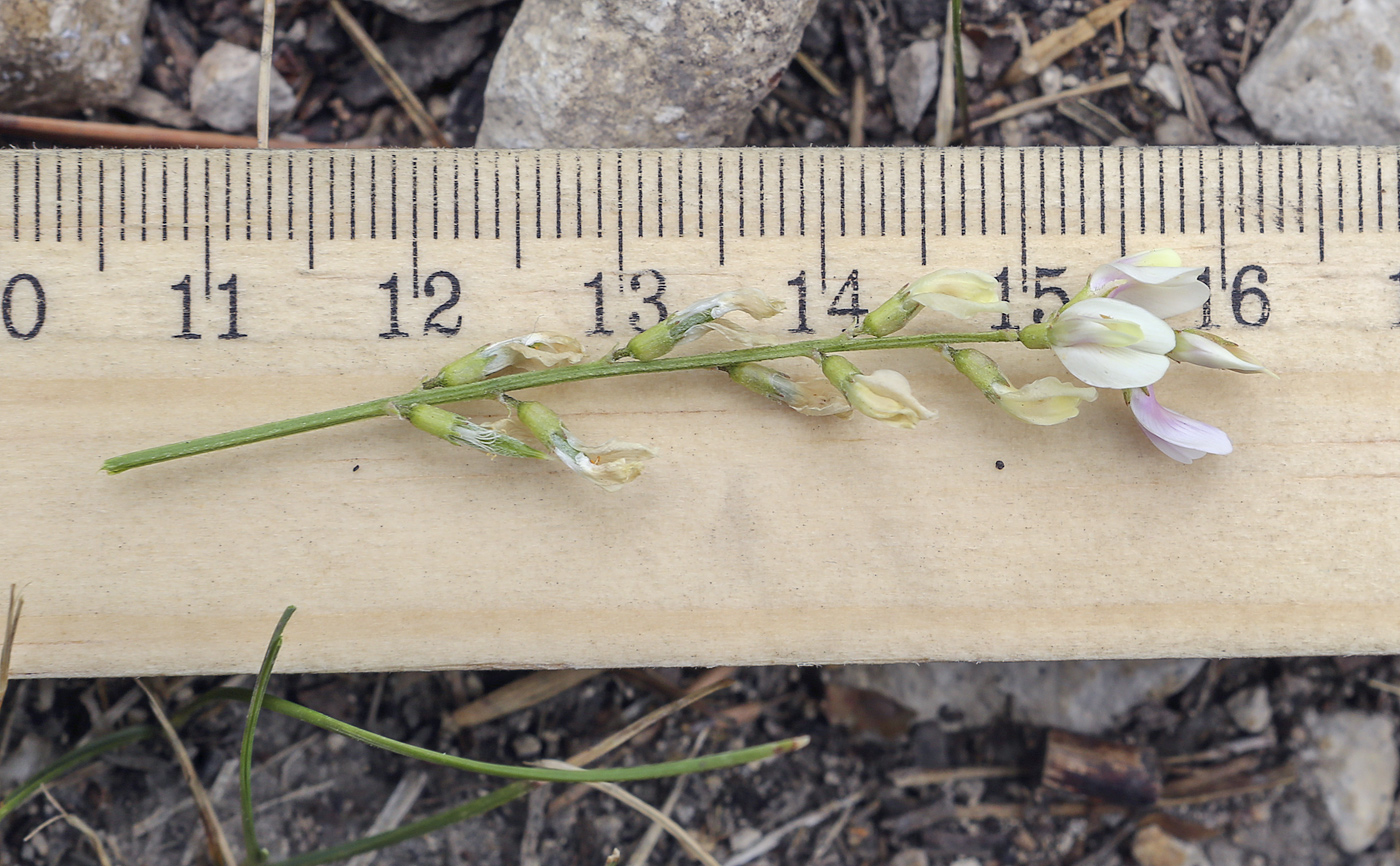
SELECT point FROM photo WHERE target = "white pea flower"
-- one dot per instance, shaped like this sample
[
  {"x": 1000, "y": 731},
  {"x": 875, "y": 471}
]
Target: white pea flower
[
  {"x": 609, "y": 465},
  {"x": 959, "y": 292},
  {"x": 883, "y": 395},
  {"x": 1153, "y": 280},
  {"x": 532, "y": 350},
  {"x": 806, "y": 397},
  {"x": 1106, "y": 343},
  {"x": 463, "y": 431},
  {"x": 1181, "y": 438},
  {"x": 1207, "y": 350},
  {"x": 688, "y": 324},
  {"x": 1043, "y": 402}
]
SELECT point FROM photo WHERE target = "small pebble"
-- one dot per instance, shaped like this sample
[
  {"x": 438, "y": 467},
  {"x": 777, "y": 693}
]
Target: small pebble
[
  {"x": 1250, "y": 710},
  {"x": 526, "y": 746},
  {"x": 1153, "y": 846}
]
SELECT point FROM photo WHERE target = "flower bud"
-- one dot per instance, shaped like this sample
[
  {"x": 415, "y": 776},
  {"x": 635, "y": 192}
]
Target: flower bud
[
  {"x": 804, "y": 397},
  {"x": 542, "y": 349},
  {"x": 883, "y": 395},
  {"x": 688, "y": 324},
  {"x": 1207, "y": 350},
  {"x": 462, "y": 431},
  {"x": 1043, "y": 402},
  {"x": 609, "y": 465}
]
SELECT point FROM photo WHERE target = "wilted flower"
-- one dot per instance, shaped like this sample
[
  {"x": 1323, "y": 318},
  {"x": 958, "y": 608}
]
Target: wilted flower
[
  {"x": 809, "y": 398},
  {"x": 1153, "y": 280},
  {"x": 1207, "y": 350},
  {"x": 883, "y": 395},
  {"x": 1106, "y": 343},
  {"x": 1043, "y": 402},
  {"x": 1181, "y": 438},
  {"x": 684, "y": 326},
  {"x": 542, "y": 349},
  {"x": 609, "y": 465},
  {"x": 463, "y": 431},
  {"x": 959, "y": 292}
]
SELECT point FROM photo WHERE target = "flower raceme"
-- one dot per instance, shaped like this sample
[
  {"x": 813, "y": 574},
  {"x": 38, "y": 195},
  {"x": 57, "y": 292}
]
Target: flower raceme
[{"x": 1181, "y": 438}]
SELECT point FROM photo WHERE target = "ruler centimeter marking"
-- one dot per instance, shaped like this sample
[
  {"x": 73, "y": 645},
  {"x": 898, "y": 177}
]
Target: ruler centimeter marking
[{"x": 1133, "y": 198}]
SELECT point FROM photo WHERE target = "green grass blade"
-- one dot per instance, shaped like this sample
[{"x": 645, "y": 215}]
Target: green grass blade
[
  {"x": 716, "y": 761},
  {"x": 253, "y": 852}
]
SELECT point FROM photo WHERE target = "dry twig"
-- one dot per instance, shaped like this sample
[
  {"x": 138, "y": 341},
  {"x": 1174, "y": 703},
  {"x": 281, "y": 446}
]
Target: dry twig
[
  {"x": 89, "y": 133},
  {"x": 1058, "y": 43},
  {"x": 524, "y": 692},
  {"x": 99, "y": 849},
  {"x": 392, "y": 813},
  {"x": 219, "y": 850},
  {"x": 11, "y": 628},
  {"x": 269, "y": 14},
  {"x": 679, "y": 833},
  {"x": 1122, "y": 79},
  {"x": 406, "y": 97}
]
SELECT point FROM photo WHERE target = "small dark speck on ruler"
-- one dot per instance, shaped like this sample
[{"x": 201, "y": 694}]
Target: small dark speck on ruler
[
  {"x": 357, "y": 468},
  {"x": 1000, "y": 465}
]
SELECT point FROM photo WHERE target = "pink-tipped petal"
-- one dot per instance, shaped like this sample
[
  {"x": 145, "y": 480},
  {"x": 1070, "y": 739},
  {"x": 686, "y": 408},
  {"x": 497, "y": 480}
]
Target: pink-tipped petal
[{"x": 1176, "y": 429}]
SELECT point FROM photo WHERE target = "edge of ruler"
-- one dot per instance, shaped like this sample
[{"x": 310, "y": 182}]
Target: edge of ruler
[{"x": 758, "y": 535}]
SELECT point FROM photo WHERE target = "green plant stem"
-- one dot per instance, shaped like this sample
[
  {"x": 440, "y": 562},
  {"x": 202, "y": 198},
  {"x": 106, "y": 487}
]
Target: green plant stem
[
  {"x": 491, "y": 388},
  {"x": 253, "y": 852},
  {"x": 80, "y": 756}
]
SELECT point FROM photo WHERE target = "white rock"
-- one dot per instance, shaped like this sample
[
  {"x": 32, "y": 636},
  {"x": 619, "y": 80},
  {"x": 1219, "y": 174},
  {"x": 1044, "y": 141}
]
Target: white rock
[
  {"x": 1161, "y": 80},
  {"x": 1083, "y": 696},
  {"x": 1329, "y": 74},
  {"x": 433, "y": 10},
  {"x": 913, "y": 81},
  {"x": 224, "y": 89},
  {"x": 1153, "y": 846},
  {"x": 1052, "y": 80},
  {"x": 916, "y": 857},
  {"x": 1354, "y": 765},
  {"x": 1250, "y": 710},
  {"x": 59, "y": 55},
  {"x": 613, "y": 74},
  {"x": 1177, "y": 129}
]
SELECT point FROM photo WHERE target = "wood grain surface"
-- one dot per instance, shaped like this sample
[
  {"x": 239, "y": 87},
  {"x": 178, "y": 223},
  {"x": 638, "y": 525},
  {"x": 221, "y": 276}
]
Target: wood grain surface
[{"x": 758, "y": 535}]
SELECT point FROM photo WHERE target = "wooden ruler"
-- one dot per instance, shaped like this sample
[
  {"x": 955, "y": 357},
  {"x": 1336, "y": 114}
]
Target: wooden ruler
[{"x": 155, "y": 296}]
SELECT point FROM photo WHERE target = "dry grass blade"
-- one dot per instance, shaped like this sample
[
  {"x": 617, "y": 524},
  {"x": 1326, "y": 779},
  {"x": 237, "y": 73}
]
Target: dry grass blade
[
  {"x": 946, "y": 107},
  {"x": 1122, "y": 79},
  {"x": 1058, "y": 43},
  {"x": 91, "y": 133},
  {"x": 856, "y": 137},
  {"x": 524, "y": 692},
  {"x": 593, "y": 753},
  {"x": 11, "y": 628},
  {"x": 269, "y": 15},
  {"x": 679, "y": 833},
  {"x": 407, "y": 99},
  {"x": 823, "y": 80},
  {"x": 811, "y": 819},
  {"x": 392, "y": 813},
  {"x": 1192, "y": 101},
  {"x": 219, "y": 850},
  {"x": 1383, "y": 686},
  {"x": 914, "y": 777},
  {"x": 98, "y": 849},
  {"x": 1253, "y": 783},
  {"x": 653, "y": 833}
]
